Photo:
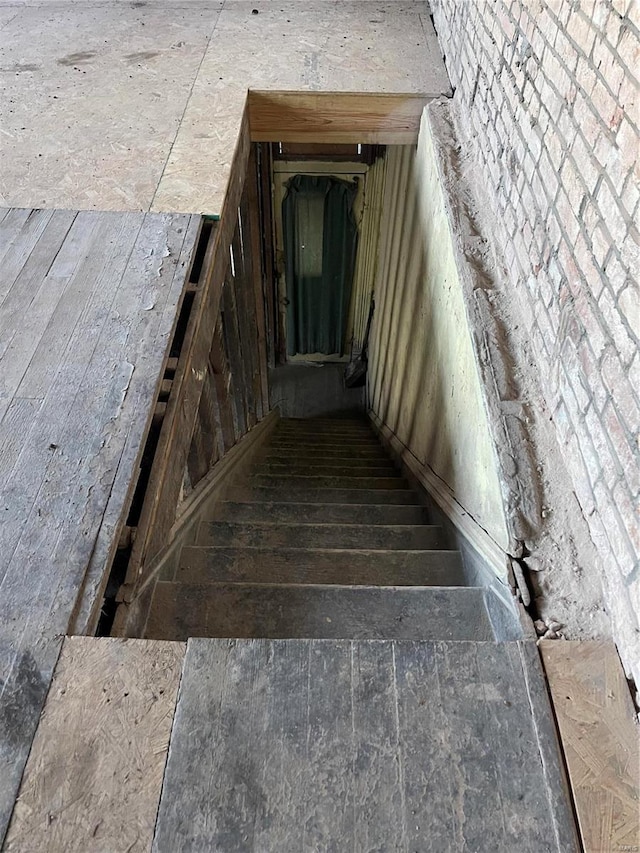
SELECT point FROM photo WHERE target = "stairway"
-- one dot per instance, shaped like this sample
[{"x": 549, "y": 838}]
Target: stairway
[
  {"x": 343, "y": 688},
  {"x": 322, "y": 539}
]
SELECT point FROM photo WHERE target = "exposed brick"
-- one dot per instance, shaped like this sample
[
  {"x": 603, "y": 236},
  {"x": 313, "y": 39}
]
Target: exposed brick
[
  {"x": 629, "y": 49},
  {"x": 555, "y": 127},
  {"x": 582, "y": 153},
  {"x": 601, "y": 242},
  {"x": 581, "y": 478},
  {"x": 618, "y": 385},
  {"x": 591, "y": 372},
  {"x": 616, "y": 530},
  {"x": 619, "y": 438},
  {"x": 629, "y": 304},
  {"x": 582, "y": 32},
  {"x": 630, "y": 195}
]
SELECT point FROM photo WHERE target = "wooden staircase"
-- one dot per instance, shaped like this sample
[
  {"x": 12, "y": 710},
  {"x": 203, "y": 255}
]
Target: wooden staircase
[
  {"x": 323, "y": 538},
  {"x": 343, "y": 686}
]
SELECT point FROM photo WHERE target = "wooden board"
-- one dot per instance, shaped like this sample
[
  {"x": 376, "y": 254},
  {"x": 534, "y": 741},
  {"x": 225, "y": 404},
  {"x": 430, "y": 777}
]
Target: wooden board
[
  {"x": 354, "y": 745},
  {"x": 328, "y": 117},
  {"x": 182, "y": 610},
  {"x": 93, "y": 779},
  {"x": 90, "y": 303},
  {"x": 600, "y": 738}
]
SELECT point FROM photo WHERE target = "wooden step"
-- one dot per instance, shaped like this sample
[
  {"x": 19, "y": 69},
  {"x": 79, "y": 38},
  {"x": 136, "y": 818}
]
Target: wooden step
[
  {"x": 324, "y": 482},
  {"x": 322, "y": 441},
  {"x": 373, "y": 537},
  {"x": 329, "y": 454},
  {"x": 200, "y": 564},
  {"x": 362, "y": 420},
  {"x": 355, "y": 448},
  {"x": 296, "y": 746},
  {"x": 181, "y": 610},
  {"x": 295, "y": 493},
  {"x": 311, "y": 469},
  {"x": 329, "y": 513},
  {"x": 334, "y": 435},
  {"x": 316, "y": 426}
]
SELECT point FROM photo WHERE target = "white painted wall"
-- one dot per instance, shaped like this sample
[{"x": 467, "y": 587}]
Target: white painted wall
[{"x": 423, "y": 379}]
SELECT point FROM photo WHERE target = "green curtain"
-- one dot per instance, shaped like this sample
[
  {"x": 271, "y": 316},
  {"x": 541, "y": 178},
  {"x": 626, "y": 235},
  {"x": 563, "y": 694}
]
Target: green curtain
[{"x": 320, "y": 243}]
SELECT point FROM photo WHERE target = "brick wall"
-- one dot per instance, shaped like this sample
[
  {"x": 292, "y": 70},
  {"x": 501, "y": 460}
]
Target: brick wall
[{"x": 548, "y": 96}]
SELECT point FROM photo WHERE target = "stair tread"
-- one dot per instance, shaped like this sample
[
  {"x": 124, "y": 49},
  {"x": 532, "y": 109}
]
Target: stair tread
[
  {"x": 200, "y": 563},
  {"x": 306, "y": 458},
  {"x": 374, "y": 537},
  {"x": 295, "y": 493},
  {"x": 323, "y": 513},
  {"x": 311, "y": 469},
  {"x": 338, "y": 451},
  {"x": 337, "y": 482},
  {"x": 326, "y": 440},
  {"x": 317, "y": 611}
]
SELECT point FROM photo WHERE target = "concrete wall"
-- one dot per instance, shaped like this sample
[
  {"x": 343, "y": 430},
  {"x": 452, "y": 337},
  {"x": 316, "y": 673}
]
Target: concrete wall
[
  {"x": 423, "y": 379},
  {"x": 547, "y": 100}
]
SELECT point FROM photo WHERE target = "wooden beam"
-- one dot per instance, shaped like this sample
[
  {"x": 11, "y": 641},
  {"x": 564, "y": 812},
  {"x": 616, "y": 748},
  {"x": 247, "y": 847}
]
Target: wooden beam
[
  {"x": 252, "y": 223},
  {"x": 328, "y": 117}
]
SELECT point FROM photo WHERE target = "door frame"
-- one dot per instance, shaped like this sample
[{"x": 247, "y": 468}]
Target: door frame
[{"x": 282, "y": 171}]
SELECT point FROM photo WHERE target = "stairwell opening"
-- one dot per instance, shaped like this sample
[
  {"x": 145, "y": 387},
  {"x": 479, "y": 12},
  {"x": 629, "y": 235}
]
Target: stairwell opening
[
  {"x": 442, "y": 389},
  {"x": 315, "y": 516}
]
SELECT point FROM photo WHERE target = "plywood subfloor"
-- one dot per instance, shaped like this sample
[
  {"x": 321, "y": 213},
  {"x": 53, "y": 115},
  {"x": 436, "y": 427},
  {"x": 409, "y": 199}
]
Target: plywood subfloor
[
  {"x": 88, "y": 303},
  {"x": 95, "y": 771},
  {"x": 138, "y": 106},
  {"x": 601, "y": 741}
]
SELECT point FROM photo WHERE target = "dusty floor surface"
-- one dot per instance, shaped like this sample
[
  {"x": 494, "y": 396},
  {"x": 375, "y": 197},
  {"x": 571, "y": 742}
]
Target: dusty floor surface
[{"x": 118, "y": 105}]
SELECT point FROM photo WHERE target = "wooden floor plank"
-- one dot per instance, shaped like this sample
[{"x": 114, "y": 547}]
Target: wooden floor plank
[
  {"x": 93, "y": 779},
  {"x": 100, "y": 319},
  {"x": 16, "y": 249},
  {"x": 600, "y": 738},
  {"x": 429, "y": 788},
  {"x": 379, "y": 780}
]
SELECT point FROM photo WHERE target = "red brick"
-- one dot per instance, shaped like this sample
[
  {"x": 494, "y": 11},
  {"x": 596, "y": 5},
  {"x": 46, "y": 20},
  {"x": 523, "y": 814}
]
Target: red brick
[
  {"x": 623, "y": 449},
  {"x": 582, "y": 32},
  {"x": 601, "y": 242},
  {"x": 615, "y": 529},
  {"x": 610, "y": 211},
  {"x": 582, "y": 481},
  {"x": 587, "y": 119},
  {"x": 631, "y": 195},
  {"x": 566, "y": 217},
  {"x": 628, "y": 142},
  {"x": 591, "y": 372},
  {"x": 629, "y": 49},
  {"x": 617, "y": 275},
  {"x": 629, "y": 303},
  {"x": 622, "y": 393},
  {"x": 587, "y": 266},
  {"x": 585, "y": 75},
  {"x": 588, "y": 452},
  {"x": 582, "y": 153},
  {"x": 611, "y": 316}
]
